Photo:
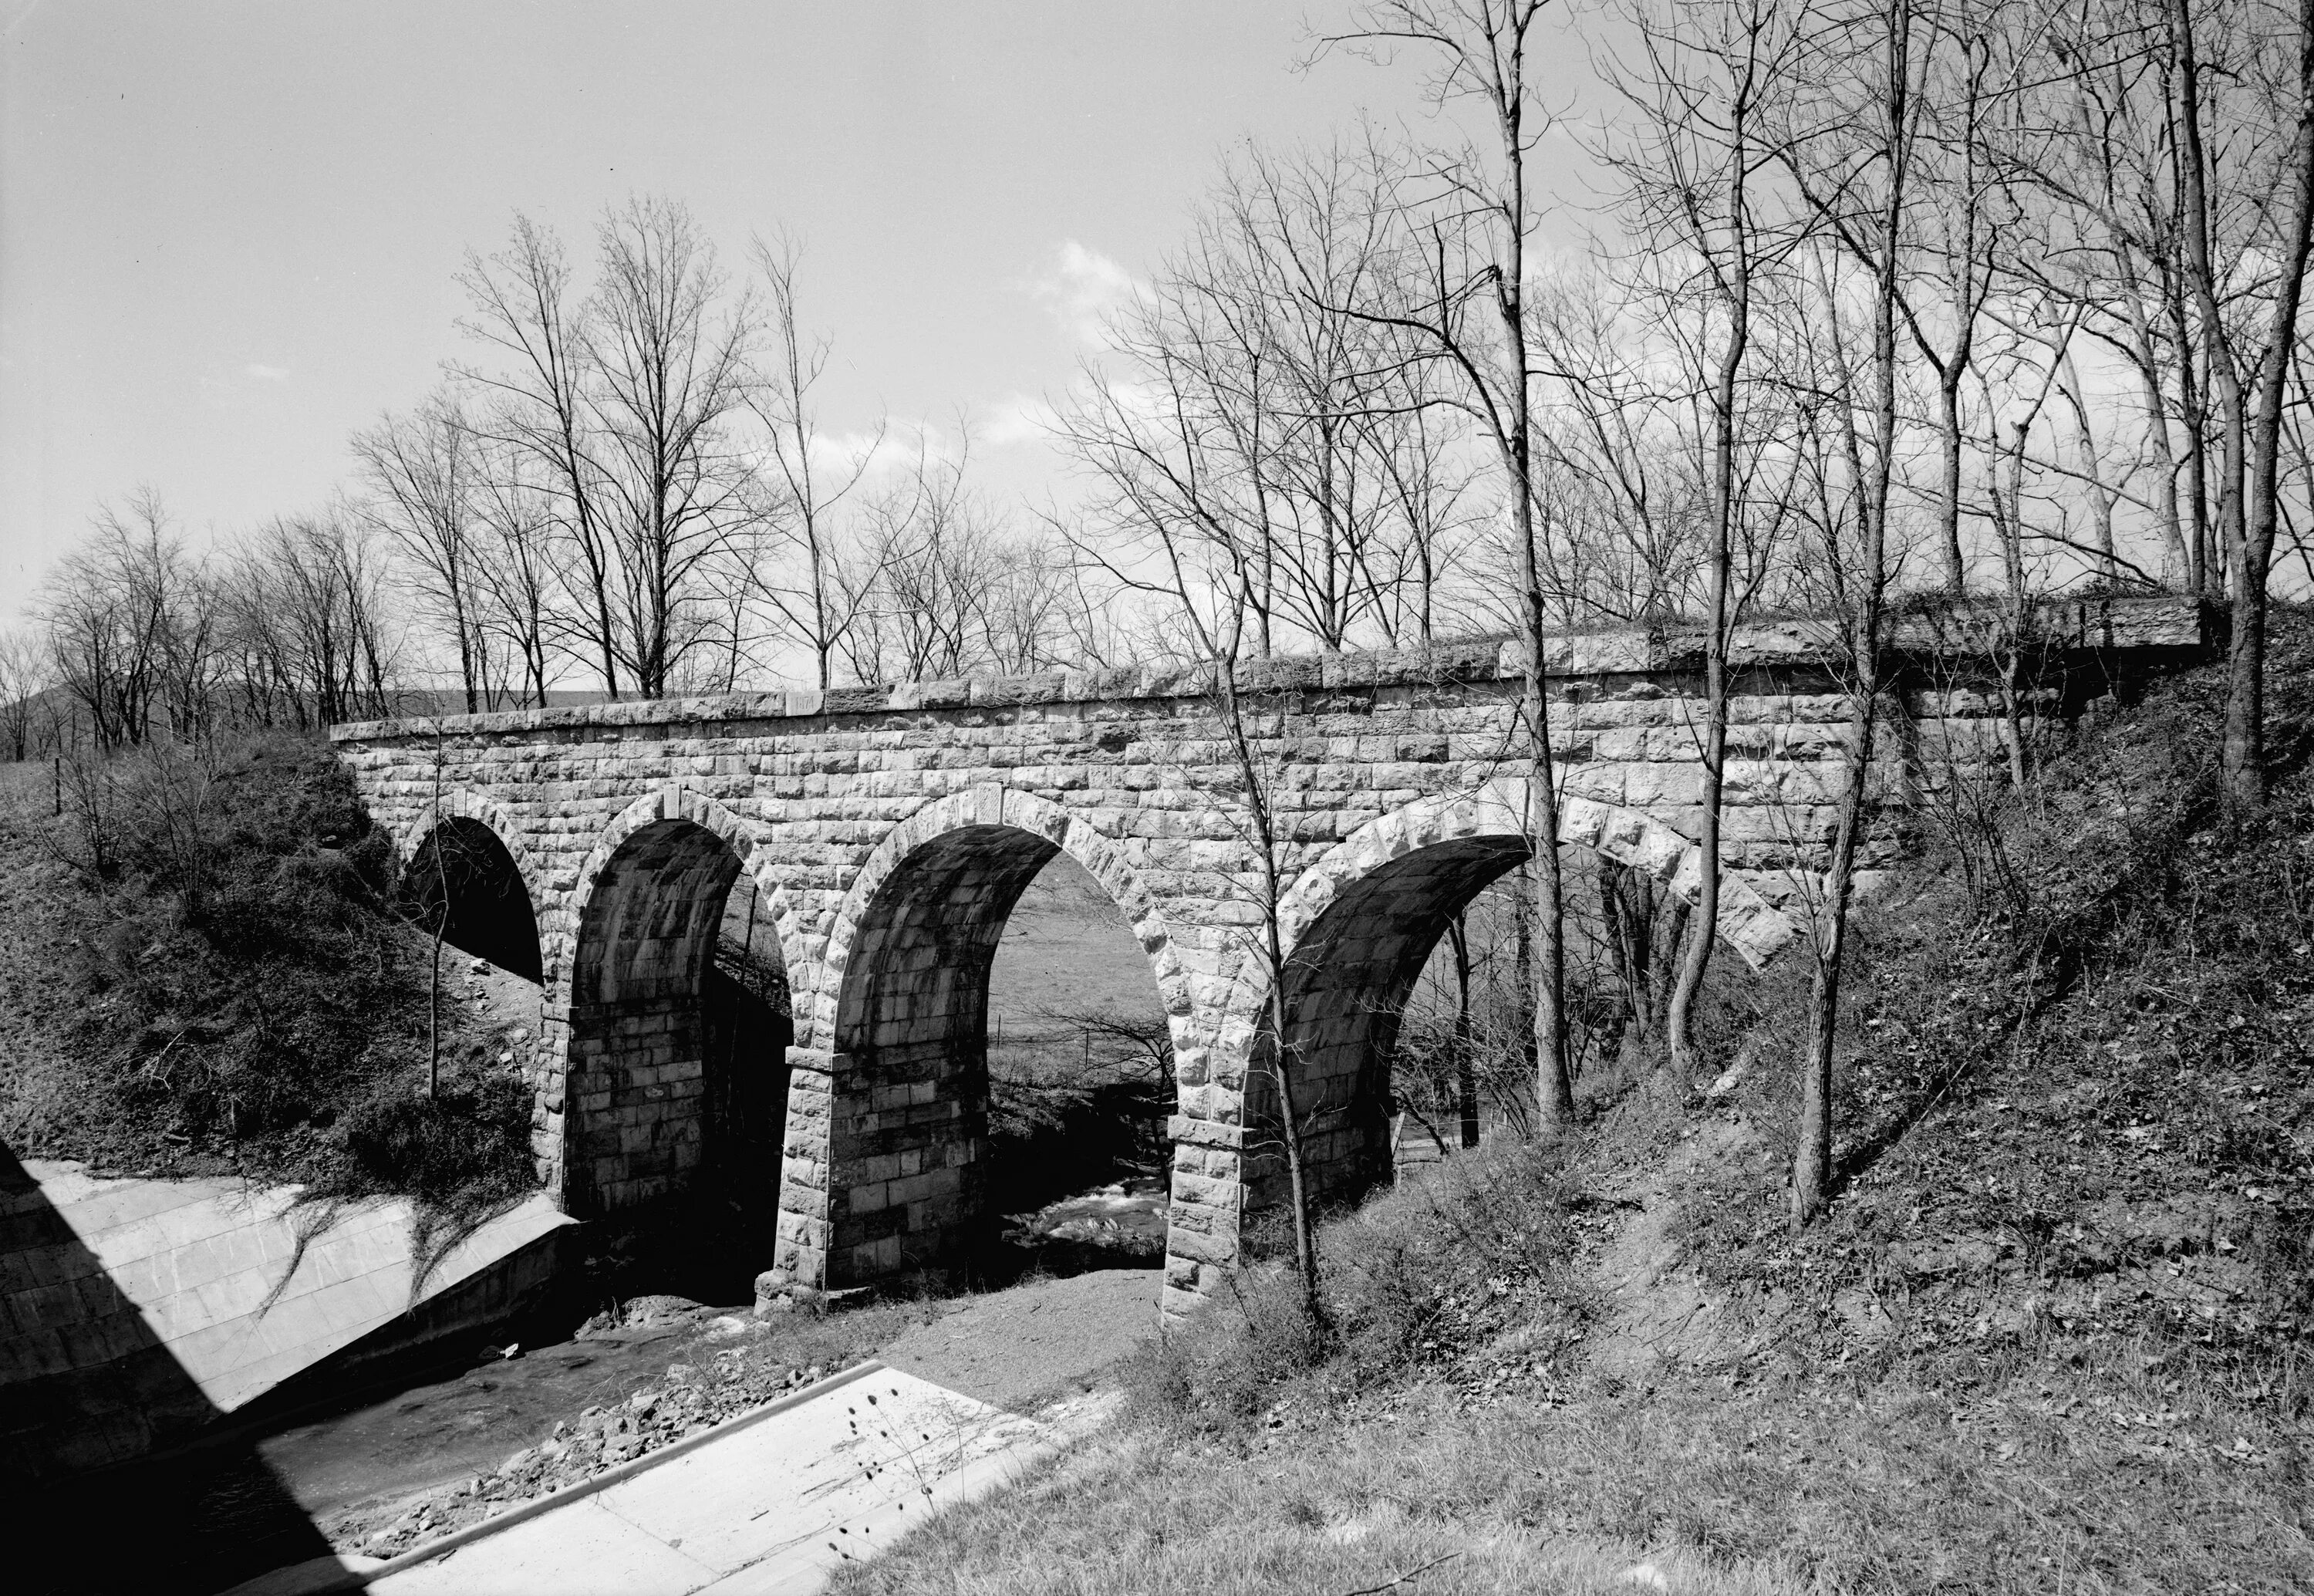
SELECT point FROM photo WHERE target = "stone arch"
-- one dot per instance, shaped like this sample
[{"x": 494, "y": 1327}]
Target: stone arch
[
  {"x": 636, "y": 951},
  {"x": 897, "y": 1036},
  {"x": 1359, "y": 925},
  {"x": 676, "y": 801},
  {"x": 992, "y": 805},
  {"x": 484, "y": 882},
  {"x": 1755, "y": 928}
]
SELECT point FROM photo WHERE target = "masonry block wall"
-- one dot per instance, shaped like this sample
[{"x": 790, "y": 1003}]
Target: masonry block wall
[{"x": 885, "y": 832}]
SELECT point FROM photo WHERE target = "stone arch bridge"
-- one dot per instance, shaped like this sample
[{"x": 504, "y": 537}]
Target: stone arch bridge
[{"x": 879, "y": 835}]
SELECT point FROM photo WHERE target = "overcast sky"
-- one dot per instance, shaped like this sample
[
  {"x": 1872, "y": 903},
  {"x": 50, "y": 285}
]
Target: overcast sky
[{"x": 229, "y": 231}]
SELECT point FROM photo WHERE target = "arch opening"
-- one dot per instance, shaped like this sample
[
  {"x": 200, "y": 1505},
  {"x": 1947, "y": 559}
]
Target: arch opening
[
  {"x": 680, "y": 1024},
  {"x": 915, "y": 1185},
  {"x": 1344, "y": 994},
  {"x": 461, "y": 879},
  {"x": 1410, "y": 1007},
  {"x": 1081, "y": 1082}
]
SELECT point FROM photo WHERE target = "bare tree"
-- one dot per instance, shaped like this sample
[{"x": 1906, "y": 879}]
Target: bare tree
[
  {"x": 514, "y": 512},
  {"x": 25, "y": 677},
  {"x": 936, "y": 585},
  {"x": 806, "y": 491},
  {"x": 2242, "y": 116},
  {"x": 304, "y": 602},
  {"x": 1851, "y": 160},
  {"x": 668, "y": 370},
  {"x": 131, "y": 626},
  {"x": 1962, "y": 233},
  {"x": 1478, "y": 51},
  {"x": 2293, "y": 234},
  {"x": 1265, "y": 419},
  {"x": 523, "y": 303},
  {"x": 1704, "y": 101},
  {"x": 422, "y": 472}
]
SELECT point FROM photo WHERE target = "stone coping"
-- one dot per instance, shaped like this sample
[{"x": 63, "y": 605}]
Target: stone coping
[{"x": 2161, "y": 622}]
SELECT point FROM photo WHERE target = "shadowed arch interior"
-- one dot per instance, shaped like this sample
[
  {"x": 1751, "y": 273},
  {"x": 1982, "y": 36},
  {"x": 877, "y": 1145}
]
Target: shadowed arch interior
[
  {"x": 678, "y": 1028},
  {"x": 908, "y": 1188},
  {"x": 461, "y": 877},
  {"x": 1345, "y": 986}
]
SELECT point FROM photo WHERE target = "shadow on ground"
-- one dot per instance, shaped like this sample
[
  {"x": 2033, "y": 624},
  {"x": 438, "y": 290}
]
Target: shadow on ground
[{"x": 87, "y": 1392}]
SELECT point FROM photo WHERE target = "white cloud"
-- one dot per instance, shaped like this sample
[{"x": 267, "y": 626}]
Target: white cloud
[
  {"x": 266, "y": 374},
  {"x": 1080, "y": 289},
  {"x": 1023, "y": 418},
  {"x": 897, "y": 447}
]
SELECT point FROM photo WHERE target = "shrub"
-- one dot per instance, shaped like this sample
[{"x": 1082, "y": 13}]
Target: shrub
[
  {"x": 230, "y": 988},
  {"x": 468, "y": 1147},
  {"x": 1420, "y": 1278}
]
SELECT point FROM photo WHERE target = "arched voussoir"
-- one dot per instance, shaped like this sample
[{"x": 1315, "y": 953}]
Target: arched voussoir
[
  {"x": 676, "y": 801},
  {"x": 887, "y": 1167},
  {"x": 1755, "y": 928},
  {"x": 1747, "y": 922},
  {"x": 988, "y": 804},
  {"x": 648, "y": 1075},
  {"x": 478, "y": 807},
  {"x": 466, "y": 869}
]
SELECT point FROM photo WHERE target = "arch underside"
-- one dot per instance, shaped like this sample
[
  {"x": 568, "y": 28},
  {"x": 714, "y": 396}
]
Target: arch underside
[
  {"x": 883, "y": 1167},
  {"x": 461, "y": 877},
  {"x": 670, "y": 1050},
  {"x": 908, "y": 1133},
  {"x": 1347, "y": 983}
]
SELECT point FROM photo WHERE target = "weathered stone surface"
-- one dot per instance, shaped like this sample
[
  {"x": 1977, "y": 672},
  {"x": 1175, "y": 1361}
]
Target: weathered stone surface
[{"x": 889, "y": 830}]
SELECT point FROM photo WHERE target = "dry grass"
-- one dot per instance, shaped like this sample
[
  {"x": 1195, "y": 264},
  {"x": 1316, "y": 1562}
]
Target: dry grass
[
  {"x": 2061, "y": 1474},
  {"x": 1374, "y": 1509},
  {"x": 2051, "y": 1337}
]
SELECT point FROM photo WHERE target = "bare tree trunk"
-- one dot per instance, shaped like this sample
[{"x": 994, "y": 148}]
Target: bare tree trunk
[
  {"x": 2244, "y": 759},
  {"x": 1481, "y": 48},
  {"x": 2202, "y": 274},
  {"x": 1896, "y": 108},
  {"x": 1948, "y": 500},
  {"x": 1466, "y": 1078},
  {"x": 1812, "y": 1160},
  {"x": 441, "y": 927},
  {"x": 2101, "y": 494},
  {"x": 1680, "y": 1022},
  {"x": 1318, "y": 1321}
]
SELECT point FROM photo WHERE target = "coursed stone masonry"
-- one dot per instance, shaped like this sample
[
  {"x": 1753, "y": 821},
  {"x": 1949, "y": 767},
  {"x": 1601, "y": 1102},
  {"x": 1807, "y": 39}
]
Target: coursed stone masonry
[{"x": 888, "y": 831}]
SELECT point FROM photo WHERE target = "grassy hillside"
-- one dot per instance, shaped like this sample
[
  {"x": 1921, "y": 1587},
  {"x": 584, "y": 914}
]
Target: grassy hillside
[
  {"x": 203, "y": 972},
  {"x": 2052, "y": 1336}
]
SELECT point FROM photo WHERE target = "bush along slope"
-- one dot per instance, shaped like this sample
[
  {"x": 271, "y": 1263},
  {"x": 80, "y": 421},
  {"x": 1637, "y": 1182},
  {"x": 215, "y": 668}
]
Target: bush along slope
[
  {"x": 2078, "y": 1083},
  {"x": 2052, "y": 1336},
  {"x": 213, "y": 978}
]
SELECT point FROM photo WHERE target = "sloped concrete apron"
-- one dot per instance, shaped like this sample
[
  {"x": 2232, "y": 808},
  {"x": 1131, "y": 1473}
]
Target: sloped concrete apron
[
  {"x": 231, "y": 1289},
  {"x": 772, "y": 1500}
]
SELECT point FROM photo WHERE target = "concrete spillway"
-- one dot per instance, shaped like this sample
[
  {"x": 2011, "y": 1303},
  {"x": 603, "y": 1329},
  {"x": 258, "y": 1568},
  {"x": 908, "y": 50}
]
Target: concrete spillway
[{"x": 134, "y": 1313}]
